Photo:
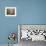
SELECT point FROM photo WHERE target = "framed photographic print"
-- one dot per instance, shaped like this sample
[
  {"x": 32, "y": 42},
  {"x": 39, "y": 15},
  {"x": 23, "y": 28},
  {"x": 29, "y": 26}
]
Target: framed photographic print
[
  {"x": 10, "y": 11},
  {"x": 33, "y": 32}
]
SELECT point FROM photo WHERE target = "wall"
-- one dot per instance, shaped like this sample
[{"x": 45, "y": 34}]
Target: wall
[{"x": 28, "y": 12}]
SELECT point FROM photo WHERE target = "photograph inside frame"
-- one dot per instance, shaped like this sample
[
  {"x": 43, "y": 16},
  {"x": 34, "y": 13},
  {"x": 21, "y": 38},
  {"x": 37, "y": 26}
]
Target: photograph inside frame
[{"x": 32, "y": 32}]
